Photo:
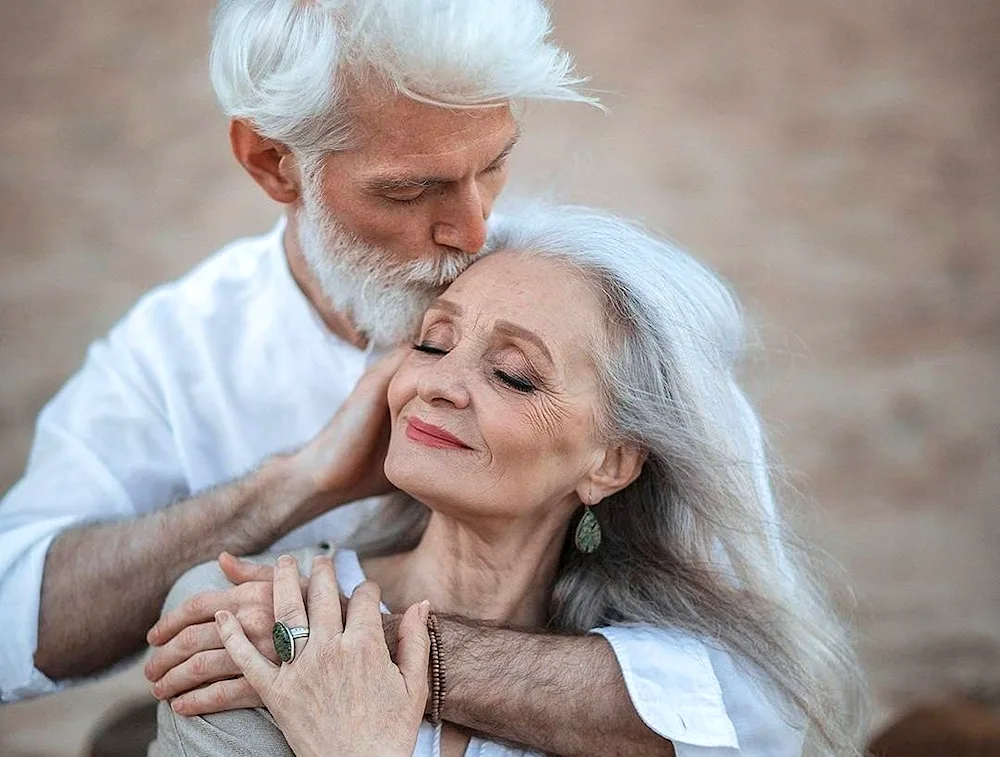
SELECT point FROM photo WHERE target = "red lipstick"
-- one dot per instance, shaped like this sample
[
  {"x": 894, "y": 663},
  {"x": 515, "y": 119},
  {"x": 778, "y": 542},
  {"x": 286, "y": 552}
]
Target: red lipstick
[{"x": 432, "y": 436}]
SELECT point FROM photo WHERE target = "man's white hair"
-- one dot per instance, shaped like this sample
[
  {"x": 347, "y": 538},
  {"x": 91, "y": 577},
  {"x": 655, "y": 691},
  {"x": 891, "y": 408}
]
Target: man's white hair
[{"x": 285, "y": 65}]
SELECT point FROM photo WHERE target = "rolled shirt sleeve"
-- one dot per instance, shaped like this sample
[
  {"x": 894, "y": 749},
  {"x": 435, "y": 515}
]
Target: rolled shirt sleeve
[
  {"x": 102, "y": 451},
  {"x": 699, "y": 698}
]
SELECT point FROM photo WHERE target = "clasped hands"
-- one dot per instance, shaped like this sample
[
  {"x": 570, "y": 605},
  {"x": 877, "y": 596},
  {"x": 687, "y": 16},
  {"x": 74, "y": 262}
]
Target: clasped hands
[{"x": 215, "y": 652}]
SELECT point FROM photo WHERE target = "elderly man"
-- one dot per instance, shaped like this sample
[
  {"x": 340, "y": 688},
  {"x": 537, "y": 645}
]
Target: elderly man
[{"x": 201, "y": 424}]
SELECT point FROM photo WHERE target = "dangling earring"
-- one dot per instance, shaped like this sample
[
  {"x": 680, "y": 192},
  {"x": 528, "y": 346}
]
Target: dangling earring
[{"x": 588, "y": 532}]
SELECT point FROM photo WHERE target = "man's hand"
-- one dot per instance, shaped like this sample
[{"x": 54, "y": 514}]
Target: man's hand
[{"x": 345, "y": 461}]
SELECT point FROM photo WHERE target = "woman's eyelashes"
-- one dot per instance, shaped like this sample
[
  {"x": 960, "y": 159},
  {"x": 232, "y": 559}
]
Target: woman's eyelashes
[
  {"x": 519, "y": 383},
  {"x": 515, "y": 382},
  {"x": 429, "y": 349}
]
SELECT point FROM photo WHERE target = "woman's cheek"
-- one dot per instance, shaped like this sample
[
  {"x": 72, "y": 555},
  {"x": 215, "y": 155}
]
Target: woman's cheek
[{"x": 397, "y": 395}]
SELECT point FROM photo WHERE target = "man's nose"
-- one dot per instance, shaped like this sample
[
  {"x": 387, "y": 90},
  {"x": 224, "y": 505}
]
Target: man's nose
[{"x": 462, "y": 220}]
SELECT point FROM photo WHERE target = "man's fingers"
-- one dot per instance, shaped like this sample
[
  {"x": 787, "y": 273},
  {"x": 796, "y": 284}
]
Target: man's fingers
[
  {"x": 240, "y": 571},
  {"x": 233, "y": 694},
  {"x": 200, "y": 608},
  {"x": 193, "y": 639},
  {"x": 413, "y": 652},
  {"x": 324, "y": 597},
  {"x": 289, "y": 607},
  {"x": 196, "y": 671},
  {"x": 363, "y": 614},
  {"x": 259, "y": 671}
]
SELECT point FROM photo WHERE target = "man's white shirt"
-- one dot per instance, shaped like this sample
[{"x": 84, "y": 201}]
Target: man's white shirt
[{"x": 209, "y": 375}]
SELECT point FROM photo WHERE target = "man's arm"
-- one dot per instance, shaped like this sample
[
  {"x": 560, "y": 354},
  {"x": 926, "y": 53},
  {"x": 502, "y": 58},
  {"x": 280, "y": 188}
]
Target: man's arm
[
  {"x": 560, "y": 695},
  {"x": 103, "y": 585}
]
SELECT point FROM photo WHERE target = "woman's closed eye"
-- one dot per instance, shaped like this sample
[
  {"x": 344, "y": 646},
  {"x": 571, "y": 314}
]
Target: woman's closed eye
[
  {"x": 430, "y": 349},
  {"x": 515, "y": 382}
]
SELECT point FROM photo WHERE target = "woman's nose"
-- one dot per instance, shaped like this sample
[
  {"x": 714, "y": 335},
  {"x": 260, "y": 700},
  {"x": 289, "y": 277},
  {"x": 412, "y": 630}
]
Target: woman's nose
[{"x": 444, "y": 382}]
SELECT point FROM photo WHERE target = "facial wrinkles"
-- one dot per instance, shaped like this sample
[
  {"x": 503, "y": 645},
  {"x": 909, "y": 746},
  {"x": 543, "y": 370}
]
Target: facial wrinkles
[{"x": 547, "y": 412}]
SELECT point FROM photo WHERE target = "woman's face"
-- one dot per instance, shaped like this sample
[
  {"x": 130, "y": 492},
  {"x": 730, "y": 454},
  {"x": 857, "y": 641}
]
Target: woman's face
[{"x": 494, "y": 413}]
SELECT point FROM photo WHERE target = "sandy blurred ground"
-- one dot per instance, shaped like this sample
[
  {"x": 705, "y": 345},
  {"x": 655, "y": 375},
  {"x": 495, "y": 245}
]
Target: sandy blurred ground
[{"x": 840, "y": 162}]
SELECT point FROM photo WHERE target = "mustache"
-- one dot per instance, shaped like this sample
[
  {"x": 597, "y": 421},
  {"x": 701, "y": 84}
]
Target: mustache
[{"x": 436, "y": 271}]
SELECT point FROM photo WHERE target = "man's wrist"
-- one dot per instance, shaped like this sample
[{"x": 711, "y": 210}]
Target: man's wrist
[{"x": 274, "y": 500}]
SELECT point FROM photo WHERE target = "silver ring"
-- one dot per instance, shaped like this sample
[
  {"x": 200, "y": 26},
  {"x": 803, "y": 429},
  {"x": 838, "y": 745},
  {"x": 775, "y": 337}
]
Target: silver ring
[{"x": 284, "y": 640}]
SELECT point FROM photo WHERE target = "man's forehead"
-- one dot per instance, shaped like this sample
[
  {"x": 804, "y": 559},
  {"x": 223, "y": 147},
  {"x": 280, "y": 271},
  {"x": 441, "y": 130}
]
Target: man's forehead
[{"x": 396, "y": 128}]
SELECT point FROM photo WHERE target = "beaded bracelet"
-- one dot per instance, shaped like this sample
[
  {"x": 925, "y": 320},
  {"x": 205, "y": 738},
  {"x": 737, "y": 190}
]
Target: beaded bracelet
[{"x": 437, "y": 669}]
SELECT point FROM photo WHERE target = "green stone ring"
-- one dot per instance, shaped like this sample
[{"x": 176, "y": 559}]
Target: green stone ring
[{"x": 284, "y": 640}]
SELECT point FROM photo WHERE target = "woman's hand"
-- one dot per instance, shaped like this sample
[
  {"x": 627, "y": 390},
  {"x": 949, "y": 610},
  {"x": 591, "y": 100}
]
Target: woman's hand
[{"x": 341, "y": 694}]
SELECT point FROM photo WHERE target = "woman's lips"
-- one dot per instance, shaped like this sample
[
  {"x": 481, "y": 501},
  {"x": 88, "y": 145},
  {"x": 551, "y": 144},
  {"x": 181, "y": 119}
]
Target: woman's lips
[{"x": 432, "y": 436}]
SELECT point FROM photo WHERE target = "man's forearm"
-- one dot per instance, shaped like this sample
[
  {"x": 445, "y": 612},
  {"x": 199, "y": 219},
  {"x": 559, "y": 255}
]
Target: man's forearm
[
  {"x": 561, "y": 695},
  {"x": 103, "y": 584}
]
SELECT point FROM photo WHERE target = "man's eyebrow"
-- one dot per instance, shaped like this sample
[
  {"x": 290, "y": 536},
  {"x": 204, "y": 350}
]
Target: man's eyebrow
[
  {"x": 391, "y": 184},
  {"x": 512, "y": 329},
  {"x": 397, "y": 183},
  {"x": 506, "y": 150}
]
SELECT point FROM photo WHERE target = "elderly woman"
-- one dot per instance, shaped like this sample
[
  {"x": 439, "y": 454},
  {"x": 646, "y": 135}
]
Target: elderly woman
[{"x": 576, "y": 456}]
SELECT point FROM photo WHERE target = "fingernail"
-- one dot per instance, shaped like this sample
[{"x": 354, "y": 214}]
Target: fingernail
[
  {"x": 177, "y": 706},
  {"x": 424, "y": 610},
  {"x": 221, "y": 616},
  {"x": 286, "y": 561}
]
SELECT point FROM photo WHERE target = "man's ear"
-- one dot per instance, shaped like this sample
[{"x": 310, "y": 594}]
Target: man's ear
[
  {"x": 620, "y": 466},
  {"x": 270, "y": 163}
]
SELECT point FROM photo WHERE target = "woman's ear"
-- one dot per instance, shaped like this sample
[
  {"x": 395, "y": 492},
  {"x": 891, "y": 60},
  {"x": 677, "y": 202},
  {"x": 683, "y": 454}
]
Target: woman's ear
[
  {"x": 270, "y": 163},
  {"x": 620, "y": 466}
]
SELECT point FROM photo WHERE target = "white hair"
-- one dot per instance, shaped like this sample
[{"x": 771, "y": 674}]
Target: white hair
[
  {"x": 286, "y": 65},
  {"x": 695, "y": 542}
]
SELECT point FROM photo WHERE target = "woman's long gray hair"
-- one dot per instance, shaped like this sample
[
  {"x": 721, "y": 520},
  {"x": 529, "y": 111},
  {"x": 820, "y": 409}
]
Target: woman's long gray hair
[{"x": 695, "y": 542}]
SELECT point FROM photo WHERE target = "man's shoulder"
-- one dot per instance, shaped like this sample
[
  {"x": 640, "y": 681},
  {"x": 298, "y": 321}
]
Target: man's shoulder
[
  {"x": 216, "y": 290},
  {"x": 239, "y": 269}
]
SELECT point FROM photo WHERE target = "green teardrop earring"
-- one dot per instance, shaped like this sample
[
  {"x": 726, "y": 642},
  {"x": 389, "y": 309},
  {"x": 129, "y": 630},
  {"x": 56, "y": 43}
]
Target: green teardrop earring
[{"x": 588, "y": 532}]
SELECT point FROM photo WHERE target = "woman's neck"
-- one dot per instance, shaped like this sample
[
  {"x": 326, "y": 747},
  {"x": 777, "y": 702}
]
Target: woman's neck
[{"x": 506, "y": 577}]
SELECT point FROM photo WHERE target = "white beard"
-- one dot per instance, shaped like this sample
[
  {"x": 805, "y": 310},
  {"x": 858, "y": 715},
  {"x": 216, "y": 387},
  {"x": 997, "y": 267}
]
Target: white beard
[{"x": 383, "y": 299}]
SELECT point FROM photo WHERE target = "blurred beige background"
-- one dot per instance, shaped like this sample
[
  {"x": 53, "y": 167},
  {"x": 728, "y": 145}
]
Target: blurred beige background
[{"x": 839, "y": 162}]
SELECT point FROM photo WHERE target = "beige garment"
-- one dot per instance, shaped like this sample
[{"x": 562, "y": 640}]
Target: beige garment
[{"x": 240, "y": 733}]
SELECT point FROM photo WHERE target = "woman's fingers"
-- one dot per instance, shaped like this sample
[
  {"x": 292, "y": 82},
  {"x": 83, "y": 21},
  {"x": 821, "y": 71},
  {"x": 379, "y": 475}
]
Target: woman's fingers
[
  {"x": 414, "y": 648},
  {"x": 259, "y": 671},
  {"x": 324, "y": 597},
  {"x": 364, "y": 617},
  {"x": 288, "y": 605},
  {"x": 240, "y": 571},
  {"x": 198, "y": 670},
  {"x": 232, "y": 694},
  {"x": 197, "y": 638},
  {"x": 200, "y": 608}
]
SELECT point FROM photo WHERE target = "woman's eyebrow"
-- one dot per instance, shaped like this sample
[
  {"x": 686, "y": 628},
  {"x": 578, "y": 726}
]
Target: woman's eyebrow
[
  {"x": 512, "y": 329},
  {"x": 447, "y": 306}
]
